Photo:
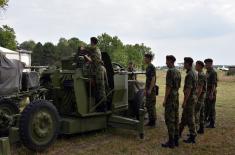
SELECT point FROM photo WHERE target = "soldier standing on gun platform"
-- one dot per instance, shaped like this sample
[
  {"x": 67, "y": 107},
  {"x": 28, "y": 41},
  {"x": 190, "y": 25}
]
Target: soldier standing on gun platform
[
  {"x": 150, "y": 92},
  {"x": 201, "y": 95},
  {"x": 171, "y": 102},
  {"x": 211, "y": 93},
  {"x": 190, "y": 99},
  {"x": 100, "y": 73}
]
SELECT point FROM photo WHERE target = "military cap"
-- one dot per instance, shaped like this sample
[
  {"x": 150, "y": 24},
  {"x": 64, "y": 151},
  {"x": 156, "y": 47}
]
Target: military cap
[
  {"x": 188, "y": 60},
  {"x": 200, "y": 63},
  {"x": 171, "y": 57},
  {"x": 94, "y": 40},
  {"x": 149, "y": 55},
  {"x": 209, "y": 60}
]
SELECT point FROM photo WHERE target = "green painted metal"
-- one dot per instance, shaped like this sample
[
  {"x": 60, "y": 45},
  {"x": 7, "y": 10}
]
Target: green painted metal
[
  {"x": 14, "y": 135},
  {"x": 4, "y": 146},
  {"x": 128, "y": 123},
  {"x": 71, "y": 125},
  {"x": 80, "y": 91},
  {"x": 120, "y": 96},
  {"x": 72, "y": 94}
]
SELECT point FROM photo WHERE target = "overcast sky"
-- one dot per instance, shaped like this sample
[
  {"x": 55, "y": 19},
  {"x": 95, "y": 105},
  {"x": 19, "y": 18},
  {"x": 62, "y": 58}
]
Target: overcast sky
[{"x": 196, "y": 28}]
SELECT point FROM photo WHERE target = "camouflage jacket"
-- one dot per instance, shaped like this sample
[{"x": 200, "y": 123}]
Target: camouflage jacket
[
  {"x": 173, "y": 79},
  {"x": 95, "y": 54},
  {"x": 202, "y": 81},
  {"x": 191, "y": 81},
  {"x": 150, "y": 73},
  {"x": 212, "y": 78}
]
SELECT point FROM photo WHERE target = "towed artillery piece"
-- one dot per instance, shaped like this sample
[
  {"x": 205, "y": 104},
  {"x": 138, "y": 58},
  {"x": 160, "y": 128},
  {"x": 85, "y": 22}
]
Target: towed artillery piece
[{"x": 62, "y": 102}]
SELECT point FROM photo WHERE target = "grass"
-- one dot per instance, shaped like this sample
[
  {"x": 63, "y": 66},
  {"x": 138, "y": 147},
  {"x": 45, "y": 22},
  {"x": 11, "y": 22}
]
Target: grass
[{"x": 220, "y": 140}]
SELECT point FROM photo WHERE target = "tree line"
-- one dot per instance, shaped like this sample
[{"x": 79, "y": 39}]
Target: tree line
[{"x": 44, "y": 54}]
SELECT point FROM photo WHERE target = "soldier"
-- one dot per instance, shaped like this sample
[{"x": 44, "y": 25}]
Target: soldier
[
  {"x": 131, "y": 69},
  {"x": 150, "y": 92},
  {"x": 211, "y": 93},
  {"x": 94, "y": 57},
  {"x": 171, "y": 102},
  {"x": 201, "y": 95},
  {"x": 190, "y": 99}
]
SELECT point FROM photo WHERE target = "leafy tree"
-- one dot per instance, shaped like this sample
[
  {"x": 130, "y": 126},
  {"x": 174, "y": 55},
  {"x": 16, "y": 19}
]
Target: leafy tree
[
  {"x": 8, "y": 37},
  {"x": 121, "y": 53},
  {"x": 63, "y": 49},
  {"x": 48, "y": 54},
  {"x": 37, "y": 54},
  {"x": 3, "y": 3},
  {"x": 27, "y": 45},
  {"x": 74, "y": 44}
]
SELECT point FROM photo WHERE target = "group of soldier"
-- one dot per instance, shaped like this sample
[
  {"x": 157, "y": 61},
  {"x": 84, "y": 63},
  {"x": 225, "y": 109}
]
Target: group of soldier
[
  {"x": 198, "y": 103},
  {"x": 199, "y": 94}
]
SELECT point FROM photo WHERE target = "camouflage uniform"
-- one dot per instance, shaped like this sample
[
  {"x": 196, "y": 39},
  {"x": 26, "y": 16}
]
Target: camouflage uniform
[
  {"x": 151, "y": 98},
  {"x": 100, "y": 73},
  {"x": 210, "y": 104},
  {"x": 188, "y": 115},
  {"x": 199, "y": 108},
  {"x": 173, "y": 80}
]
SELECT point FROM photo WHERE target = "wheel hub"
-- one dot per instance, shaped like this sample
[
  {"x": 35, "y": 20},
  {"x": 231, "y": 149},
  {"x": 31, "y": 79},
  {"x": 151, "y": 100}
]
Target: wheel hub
[{"x": 42, "y": 124}]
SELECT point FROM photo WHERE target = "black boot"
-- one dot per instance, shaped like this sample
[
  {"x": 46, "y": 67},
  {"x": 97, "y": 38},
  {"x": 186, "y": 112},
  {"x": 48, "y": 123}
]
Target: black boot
[
  {"x": 201, "y": 129},
  {"x": 191, "y": 139},
  {"x": 176, "y": 140},
  {"x": 151, "y": 123},
  {"x": 181, "y": 129},
  {"x": 211, "y": 125},
  {"x": 169, "y": 144}
]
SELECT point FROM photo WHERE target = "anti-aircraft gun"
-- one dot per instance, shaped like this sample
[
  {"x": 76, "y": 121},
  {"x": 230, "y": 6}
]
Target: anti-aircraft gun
[{"x": 67, "y": 105}]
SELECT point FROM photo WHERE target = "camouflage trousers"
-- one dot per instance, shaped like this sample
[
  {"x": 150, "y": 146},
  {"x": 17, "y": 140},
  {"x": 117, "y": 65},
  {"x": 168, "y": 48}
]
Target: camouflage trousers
[
  {"x": 172, "y": 115},
  {"x": 188, "y": 117},
  {"x": 210, "y": 112},
  {"x": 100, "y": 80},
  {"x": 199, "y": 111},
  {"x": 151, "y": 105}
]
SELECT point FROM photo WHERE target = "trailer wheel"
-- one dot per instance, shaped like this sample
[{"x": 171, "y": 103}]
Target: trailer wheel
[
  {"x": 39, "y": 125},
  {"x": 8, "y": 108}
]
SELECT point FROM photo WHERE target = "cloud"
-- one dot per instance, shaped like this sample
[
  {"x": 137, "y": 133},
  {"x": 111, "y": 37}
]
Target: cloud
[{"x": 182, "y": 27}]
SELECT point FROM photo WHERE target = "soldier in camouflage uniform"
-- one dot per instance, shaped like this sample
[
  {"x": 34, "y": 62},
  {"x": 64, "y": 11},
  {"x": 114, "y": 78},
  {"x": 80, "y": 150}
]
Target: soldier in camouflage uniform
[
  {"x": 100, "y": 73},
  {"x": 171, "y": 102},
  {"x": 150, "y": 92},
  {"x": 190, "y": 99},
  {"x": 211, "y": 93},
  {"x": 201, "y": 95}
]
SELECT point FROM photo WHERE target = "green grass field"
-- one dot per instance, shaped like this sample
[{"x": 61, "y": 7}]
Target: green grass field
[{"x": 220, "y": 140}]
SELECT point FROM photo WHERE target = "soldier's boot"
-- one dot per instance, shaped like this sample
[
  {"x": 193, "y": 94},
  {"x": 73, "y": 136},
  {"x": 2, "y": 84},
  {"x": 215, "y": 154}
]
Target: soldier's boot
[
  {"x": 176, "y": 140},
  {"x": 211, "y": 125},
  {"x": 181, "y": 129},
  {"x": 169, "y": 144},
  {"x": 191, "y": 139},
  {"x": 201, "y": 129},
  {"x": 151, "y": 123}
]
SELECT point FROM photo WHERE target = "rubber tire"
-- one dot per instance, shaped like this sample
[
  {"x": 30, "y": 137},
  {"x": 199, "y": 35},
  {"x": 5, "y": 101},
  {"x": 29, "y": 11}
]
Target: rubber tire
[
  {"x": 25, "y": 123},
  {"x": 14, "y": 110},
  {"x": 137, "y": 102}
]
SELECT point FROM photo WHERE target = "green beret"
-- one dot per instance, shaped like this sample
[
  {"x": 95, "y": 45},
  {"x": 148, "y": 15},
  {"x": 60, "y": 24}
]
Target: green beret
[
  {"x": 209, "y": 60},
  {"x": 188, "y": 60},
  {"x": 171, "y": 58}
]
